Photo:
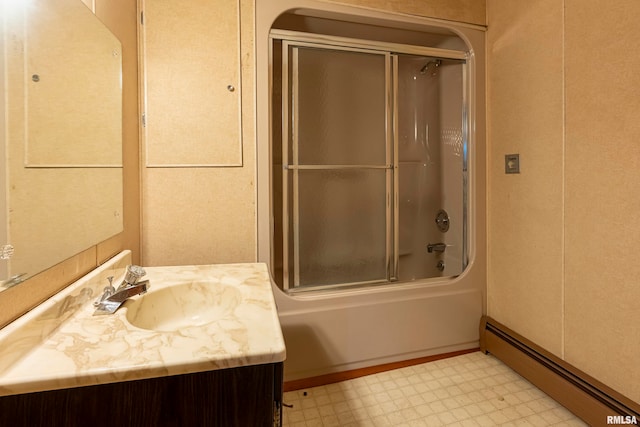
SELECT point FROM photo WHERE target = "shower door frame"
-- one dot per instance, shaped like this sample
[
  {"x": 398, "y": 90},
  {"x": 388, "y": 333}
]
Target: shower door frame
[
  {"x": 390, "y": 51},
  {"x": 290, "y": 121}
]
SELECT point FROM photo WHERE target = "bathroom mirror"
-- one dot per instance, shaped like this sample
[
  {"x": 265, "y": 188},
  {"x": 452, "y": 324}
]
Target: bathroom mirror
[{"x": 62, "y": 132}]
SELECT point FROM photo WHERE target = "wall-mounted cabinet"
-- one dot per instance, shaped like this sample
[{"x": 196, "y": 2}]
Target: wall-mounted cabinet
[
  {"x": 196, "y": 64},
  {"x": 192, "y": 90}
]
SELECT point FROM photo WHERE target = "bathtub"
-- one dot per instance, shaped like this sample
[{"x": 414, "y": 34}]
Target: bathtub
[{"x": 336, "y": 330}]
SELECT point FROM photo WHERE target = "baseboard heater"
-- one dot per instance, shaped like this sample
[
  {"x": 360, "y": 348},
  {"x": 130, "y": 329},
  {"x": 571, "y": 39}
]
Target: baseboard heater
[{"x": 586, "y": 397}]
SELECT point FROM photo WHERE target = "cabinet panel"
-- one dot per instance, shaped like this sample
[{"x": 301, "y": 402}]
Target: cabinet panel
[
  {"x": 238, "y": 397},
  {"x": 191, "y": 64}
]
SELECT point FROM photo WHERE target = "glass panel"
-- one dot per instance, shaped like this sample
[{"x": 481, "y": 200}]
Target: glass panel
[
  {"x": 341, "y": 107},
  {"x": 453, "y": 155},
  {"x": 341, "y": 130},
  {"x": 342, "y": 226},
  {"x": 430, "y": 165}
]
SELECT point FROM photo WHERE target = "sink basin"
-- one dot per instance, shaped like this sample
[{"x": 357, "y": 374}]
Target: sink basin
[{"x": 183, "y": 305}]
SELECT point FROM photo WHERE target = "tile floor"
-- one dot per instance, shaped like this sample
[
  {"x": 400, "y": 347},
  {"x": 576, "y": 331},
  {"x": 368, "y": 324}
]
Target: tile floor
[{"x": 469, "y": 390}]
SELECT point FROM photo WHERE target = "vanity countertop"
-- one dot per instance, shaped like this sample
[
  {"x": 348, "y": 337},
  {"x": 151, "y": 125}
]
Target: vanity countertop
[{"x": 60, "y": 344}]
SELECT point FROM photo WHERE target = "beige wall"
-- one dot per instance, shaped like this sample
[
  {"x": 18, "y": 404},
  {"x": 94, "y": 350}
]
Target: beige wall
[
  {"x": 525, "y": 115},
  {"x": 200, "y": 214},
  {"x": 469, "y": 11},
  {"x": 193, "y": 215},
  {"x": 564, "y": 233},
  {"x": 602, "y": 272}
]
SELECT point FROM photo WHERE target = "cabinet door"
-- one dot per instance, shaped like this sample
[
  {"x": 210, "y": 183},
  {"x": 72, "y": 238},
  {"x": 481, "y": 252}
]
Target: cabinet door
[
  {"x": 191, "y": 66},
  {"x": 237, "y": 397}
]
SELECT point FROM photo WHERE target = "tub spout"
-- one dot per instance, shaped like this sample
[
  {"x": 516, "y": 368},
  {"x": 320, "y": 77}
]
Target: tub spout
[{"x": 436, "y": 247}]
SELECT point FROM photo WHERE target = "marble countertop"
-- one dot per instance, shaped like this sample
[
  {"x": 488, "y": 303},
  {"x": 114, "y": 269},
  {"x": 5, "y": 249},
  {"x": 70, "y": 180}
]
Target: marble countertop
[{"x": 60, "y": 344}]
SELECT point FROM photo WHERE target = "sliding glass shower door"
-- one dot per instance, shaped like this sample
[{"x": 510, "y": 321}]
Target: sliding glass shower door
[
  {"x": 335, "y": 165},
  {"x": 337, "y": 157}
]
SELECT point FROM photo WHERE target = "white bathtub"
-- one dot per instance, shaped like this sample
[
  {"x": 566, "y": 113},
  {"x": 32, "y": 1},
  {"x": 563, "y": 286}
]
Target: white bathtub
[{"x": 333, "y": 332}]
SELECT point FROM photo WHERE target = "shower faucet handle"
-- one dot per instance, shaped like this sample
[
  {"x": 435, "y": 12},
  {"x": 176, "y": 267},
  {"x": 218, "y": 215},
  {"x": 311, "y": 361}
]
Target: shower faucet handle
[{"x": 442, "y": 220}]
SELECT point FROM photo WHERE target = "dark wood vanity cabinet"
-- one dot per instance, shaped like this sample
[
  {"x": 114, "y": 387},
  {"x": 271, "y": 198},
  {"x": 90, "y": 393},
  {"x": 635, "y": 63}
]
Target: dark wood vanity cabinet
[{"x": 248, "y": 396}]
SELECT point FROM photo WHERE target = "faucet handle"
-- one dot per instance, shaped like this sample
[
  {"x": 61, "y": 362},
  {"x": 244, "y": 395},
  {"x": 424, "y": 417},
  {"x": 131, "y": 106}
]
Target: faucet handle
[
  {"x": 133, "y": 274},
  {"x": 106, "y": 293}
]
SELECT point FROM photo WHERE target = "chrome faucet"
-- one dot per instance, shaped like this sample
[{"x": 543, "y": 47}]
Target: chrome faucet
[
  {"x": 113, "y": 298},
  {"x": 436, "y": 247}
]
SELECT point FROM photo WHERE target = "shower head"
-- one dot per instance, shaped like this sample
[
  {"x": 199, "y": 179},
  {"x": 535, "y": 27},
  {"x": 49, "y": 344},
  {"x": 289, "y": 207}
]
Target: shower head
[{"x": 431, "y": 67}]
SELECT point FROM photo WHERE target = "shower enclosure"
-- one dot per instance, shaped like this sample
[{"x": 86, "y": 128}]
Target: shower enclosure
[
  {"x": 369, "y": 153},
  {"x": 368, "y": 124}
]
